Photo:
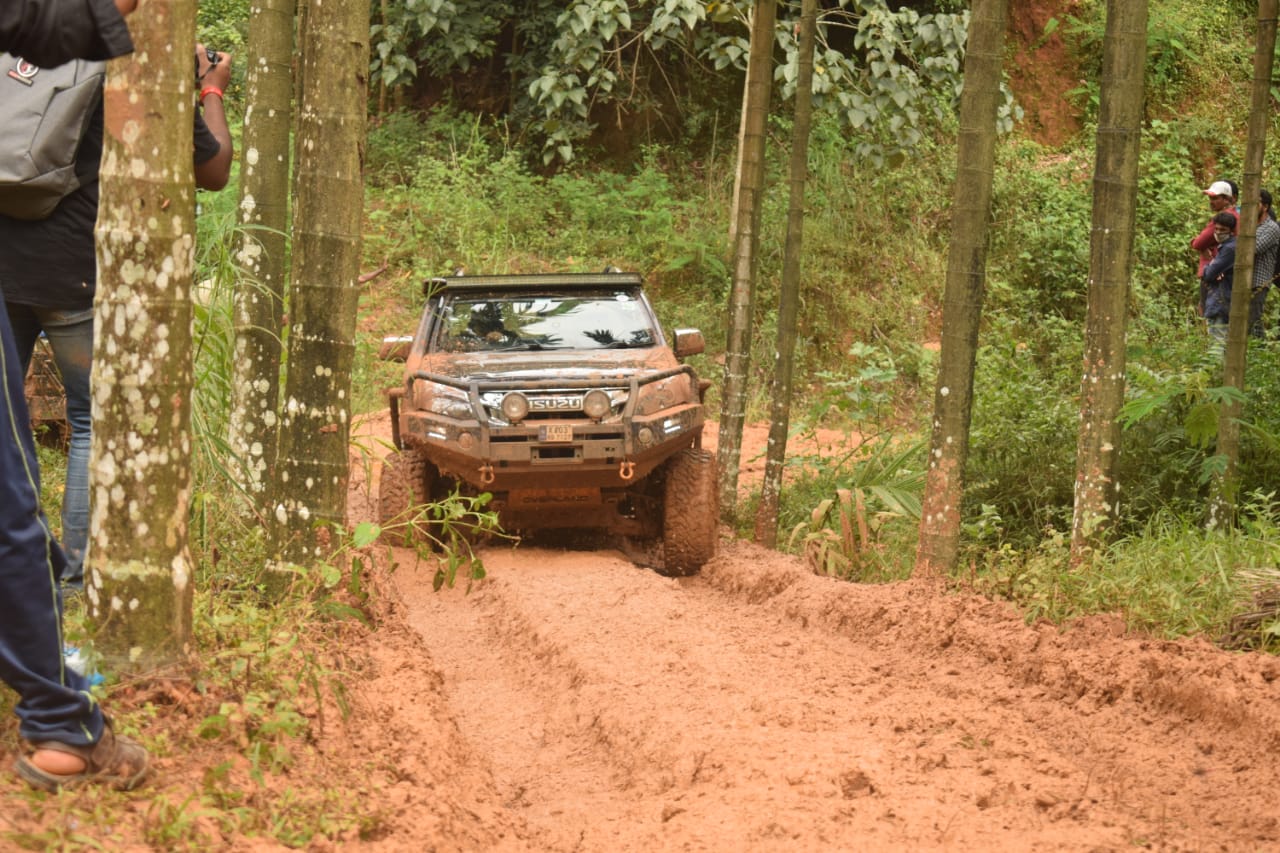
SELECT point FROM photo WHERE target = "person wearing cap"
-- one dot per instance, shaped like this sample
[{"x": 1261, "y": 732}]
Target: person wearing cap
[
  {"x": 1266, "y": 250},
  {"x": 1216, "y": 281},
  {"x": 1221, "y": 198}
]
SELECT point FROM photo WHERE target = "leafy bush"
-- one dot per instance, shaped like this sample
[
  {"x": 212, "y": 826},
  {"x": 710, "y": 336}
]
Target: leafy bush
[
  {"x": 1023, "y": 436},
  {"x": 1170, "y": 578},
  {"x": 1039, "y": 258},
  {"x": 1191, "y": 46},
  {"x": 565, "y": 72}
]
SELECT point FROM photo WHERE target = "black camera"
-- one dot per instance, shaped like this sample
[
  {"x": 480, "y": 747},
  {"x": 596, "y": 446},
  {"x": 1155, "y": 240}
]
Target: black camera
[{"x": 211, "y": 55}]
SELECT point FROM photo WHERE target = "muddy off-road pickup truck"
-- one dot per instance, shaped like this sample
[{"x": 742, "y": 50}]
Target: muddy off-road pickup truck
[{"x": 558, "y": 395}]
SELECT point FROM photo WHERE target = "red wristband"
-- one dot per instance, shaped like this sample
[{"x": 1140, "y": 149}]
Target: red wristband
[{"x": 210, "y": 90}]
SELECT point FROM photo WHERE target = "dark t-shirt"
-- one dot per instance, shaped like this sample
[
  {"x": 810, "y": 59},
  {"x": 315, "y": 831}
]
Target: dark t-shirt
[
  {"x": 51, "y": 263},
  {"x": 53, "y": 33}
]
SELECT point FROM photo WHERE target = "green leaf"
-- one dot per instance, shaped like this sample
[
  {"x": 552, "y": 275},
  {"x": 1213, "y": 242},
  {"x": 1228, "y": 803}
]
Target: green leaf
[
  {"x": 330, "y": 576},
  {"x": 1201, "y": 424},
  {"x": 365, "y": 534}
]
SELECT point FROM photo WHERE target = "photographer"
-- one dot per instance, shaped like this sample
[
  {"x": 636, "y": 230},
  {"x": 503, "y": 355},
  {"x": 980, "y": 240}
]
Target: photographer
[
  {"x": 48, "y": 276},
  {"x": 213, "y": 75}
]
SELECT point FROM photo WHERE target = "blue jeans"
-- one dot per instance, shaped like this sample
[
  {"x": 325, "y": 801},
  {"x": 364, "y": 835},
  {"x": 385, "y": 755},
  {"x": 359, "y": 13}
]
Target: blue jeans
[
  {"x": 70, "y": 335},
  {"x": 54, "y": 702}
]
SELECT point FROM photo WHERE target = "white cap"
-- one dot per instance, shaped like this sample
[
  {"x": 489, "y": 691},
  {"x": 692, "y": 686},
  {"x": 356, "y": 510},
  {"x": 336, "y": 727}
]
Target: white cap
[{"x": 1220, "y": 188}]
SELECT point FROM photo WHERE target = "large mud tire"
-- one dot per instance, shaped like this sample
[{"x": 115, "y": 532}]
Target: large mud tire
[
  {"x": 691, "y": 513},
  {"x": 404, "y": 489}
]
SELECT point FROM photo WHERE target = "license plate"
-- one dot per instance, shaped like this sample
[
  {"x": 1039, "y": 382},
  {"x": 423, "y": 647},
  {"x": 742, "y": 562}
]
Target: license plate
[
  {"x": 555, "y": 432},
  {"x": 553, "y": 498}
]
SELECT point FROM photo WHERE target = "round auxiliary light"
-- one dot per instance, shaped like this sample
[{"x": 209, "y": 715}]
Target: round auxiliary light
[
  {"x": 645, "y": 436},
  {"x": 515, "y": 406},
  {"x": 596, "y": 404}
]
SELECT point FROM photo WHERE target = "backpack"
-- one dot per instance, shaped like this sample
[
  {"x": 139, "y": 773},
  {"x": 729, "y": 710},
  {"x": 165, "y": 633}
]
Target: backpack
[{"x": 43, "y": 116}]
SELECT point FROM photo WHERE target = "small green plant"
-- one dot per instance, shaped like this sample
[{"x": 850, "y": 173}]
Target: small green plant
[
  {"x": 876, "y": 497},
  {"x": 445, "y": 532}
]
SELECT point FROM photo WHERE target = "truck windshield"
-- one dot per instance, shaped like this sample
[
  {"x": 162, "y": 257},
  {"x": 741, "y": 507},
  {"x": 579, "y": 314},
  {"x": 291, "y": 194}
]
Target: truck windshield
[{"x": 514, "y": 321}]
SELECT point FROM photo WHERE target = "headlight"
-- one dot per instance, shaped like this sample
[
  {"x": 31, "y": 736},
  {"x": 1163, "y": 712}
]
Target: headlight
[
  {"x": 444, "y": 400},
  {"x": 657, "y": 396},
  {"x": 596, "y": 404},
  {"x": 515, "y": 407}
]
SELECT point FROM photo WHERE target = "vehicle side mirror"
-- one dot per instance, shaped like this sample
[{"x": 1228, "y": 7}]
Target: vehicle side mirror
[
  {"x": 395, "y": 348},
  {"x": 689, "y": 342}
]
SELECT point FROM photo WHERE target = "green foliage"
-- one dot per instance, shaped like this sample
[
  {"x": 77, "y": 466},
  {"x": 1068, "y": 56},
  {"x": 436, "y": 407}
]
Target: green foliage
[
  {"x": 445, "y": 532},
  {"x": 435, "y": 36},
  {"x": 1191, "y": 46},
  {"x": 223, "y": 25},
  {"x": 1169, "y": 578},
  {"x": 213, "y": 359},
  {"x": 864, "y": 532},
  {"x": 881, "y": 72},
  {"x": 1022, "y": 441},
  {"x": 476, "y": 204},
  {"x": 1039, "y": 260}
]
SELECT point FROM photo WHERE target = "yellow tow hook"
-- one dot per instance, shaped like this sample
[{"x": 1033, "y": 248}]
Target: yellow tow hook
[
  {"x": 486, "y": 474},
  {"x": 627, "y": 469}
]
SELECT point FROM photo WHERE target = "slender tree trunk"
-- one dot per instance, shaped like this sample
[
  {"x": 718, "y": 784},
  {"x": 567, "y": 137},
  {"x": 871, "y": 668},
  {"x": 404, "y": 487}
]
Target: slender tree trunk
[
  {"x": 1224, "y": 488},
  {"x": 965, "y": 290},
  {"x": 140, "y": 567},
  {"x": 789, "y": 301},
  {"x": 311, "y": 486},
  {"x": 742, "y": 134},
  {"x": 738, "y": 349},
  {"x": 1115, "y": 196},
  {"x": 264, "y": 220}
]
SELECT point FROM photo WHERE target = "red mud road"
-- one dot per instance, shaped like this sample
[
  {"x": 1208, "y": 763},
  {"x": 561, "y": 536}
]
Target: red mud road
[{"x": 573, "y": 701}]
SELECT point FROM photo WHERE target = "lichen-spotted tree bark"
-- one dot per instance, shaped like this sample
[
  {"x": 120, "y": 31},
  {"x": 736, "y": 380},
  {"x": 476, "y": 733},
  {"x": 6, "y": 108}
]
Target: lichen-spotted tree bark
[
  {"x": 264, "y": 217},
  {"x": 789, "y": 300},
  {"x": 737, "y": 359},
  {"x": 139, "y": 578},
  {"x": 310, "y": 482},
  {"x": 1115, "y": 198},
  {"x": 1223, "y": 488},
  {"x": 964, "y": 290}
]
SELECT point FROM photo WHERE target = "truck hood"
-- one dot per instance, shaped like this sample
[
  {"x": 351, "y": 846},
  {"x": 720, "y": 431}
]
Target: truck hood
[{"x": 566, "y": 364}]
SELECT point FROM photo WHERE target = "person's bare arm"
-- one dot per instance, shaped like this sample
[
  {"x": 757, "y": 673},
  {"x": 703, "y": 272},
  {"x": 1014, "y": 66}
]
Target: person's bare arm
[
  {"x": 126, "y": 6},
  {"x": 213, "y": 173}
]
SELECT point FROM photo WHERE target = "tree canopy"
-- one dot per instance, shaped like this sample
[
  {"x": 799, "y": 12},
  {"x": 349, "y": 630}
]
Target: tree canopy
[{"x": 561, "y": 73}]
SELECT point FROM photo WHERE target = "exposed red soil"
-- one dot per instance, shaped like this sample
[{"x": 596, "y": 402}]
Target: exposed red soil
[
  {"x": 572, "y": 701},
  {"x": 1041, "y": 70}
]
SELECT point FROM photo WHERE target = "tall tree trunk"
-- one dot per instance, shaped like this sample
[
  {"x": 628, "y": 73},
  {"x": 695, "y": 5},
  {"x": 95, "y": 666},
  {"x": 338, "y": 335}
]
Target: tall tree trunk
[
  {"x": 264, "y": 220},
  {"x": 1115, "y": 196},
  {"x": 965, "y": 289},
  {"x": 311, "y": 487},
  {"x": 742, "y": 134},
  {"x": 737, "y": 360},
  {"x": 789, "y": 300},
  {"x": 140, "y": 567},
  {"x": 1223, "y": 489}
]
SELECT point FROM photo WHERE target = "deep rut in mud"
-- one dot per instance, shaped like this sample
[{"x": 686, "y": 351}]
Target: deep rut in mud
[{"x": 600, "y": 706}]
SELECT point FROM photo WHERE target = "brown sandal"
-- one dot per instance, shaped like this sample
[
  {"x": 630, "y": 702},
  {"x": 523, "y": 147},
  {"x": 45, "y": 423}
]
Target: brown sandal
[{"x": 114, "y": 760}]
